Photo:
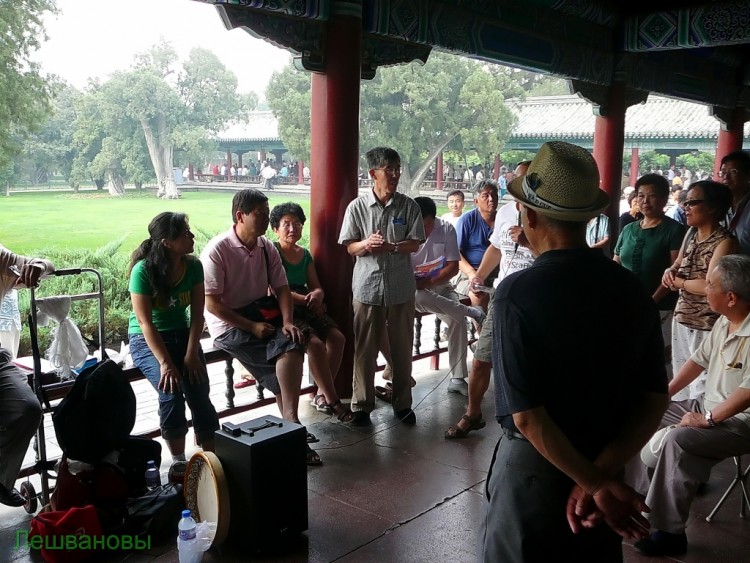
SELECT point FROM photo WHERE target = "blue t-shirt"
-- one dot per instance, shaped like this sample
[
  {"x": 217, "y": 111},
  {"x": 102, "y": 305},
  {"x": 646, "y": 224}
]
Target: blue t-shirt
[{"x": 473, "y": 237}]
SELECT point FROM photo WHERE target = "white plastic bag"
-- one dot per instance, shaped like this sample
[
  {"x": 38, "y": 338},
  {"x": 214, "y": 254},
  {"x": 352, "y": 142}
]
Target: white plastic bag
[
  {"x": 68, "y": 349},
  {"x": 192, "y": 551}
]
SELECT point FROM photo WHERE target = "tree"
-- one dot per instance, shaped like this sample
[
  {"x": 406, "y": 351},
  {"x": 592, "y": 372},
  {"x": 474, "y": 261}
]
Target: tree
[
  {"x": 420, "y": 110},
  {"x": 51, "y": 149},
  {"x": 24, "y": 92},
  {"x": 159, "y": 108}
]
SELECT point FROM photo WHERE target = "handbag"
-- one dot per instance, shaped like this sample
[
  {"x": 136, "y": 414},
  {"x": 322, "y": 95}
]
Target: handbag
[
  {"x": 57, "y": 527},
  {"x": 264, "y": 309},
  {"x": 158, "y": 512}
]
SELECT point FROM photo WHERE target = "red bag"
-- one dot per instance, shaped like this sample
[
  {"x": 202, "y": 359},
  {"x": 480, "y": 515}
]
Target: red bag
[{"x": 66, "y": 535}]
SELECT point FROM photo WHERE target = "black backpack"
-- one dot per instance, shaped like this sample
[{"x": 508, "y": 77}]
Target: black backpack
[{"x": 97, "y": 415}]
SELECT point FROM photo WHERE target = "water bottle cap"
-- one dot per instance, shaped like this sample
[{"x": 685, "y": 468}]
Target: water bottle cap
[
  {"x": 150, "y": 463},
  {"x": 186, "y": 514}
]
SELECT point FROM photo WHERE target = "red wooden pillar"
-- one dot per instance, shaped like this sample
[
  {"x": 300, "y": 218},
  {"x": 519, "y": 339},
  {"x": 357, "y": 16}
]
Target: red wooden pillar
[
  {"x": 191, "y": 170},
  {"x": 609, "y": 141},
  {"x": 496, "y": 169},
  {"x": 300, "y": 176},
  {"x": 634, "y": 165},
  {"x": 334, "y": 163},
  {"x": 439, "y": 172},
  {"x": 262, "y": 156},
  {"x": 730, "y": 134},
  {"x": 229, "y": 159},
  {"x": 239, "y": 160}
]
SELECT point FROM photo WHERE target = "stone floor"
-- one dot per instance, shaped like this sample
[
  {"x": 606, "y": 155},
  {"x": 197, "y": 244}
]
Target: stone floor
[{"x": 397, "y": 493}]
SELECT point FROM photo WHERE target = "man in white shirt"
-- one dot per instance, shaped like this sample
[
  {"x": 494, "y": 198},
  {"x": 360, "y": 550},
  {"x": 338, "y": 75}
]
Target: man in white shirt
[
  {"x": 456, "y": 200},
  {"x": 510, "y": 249},
  {"x": 435, "y": 263}
]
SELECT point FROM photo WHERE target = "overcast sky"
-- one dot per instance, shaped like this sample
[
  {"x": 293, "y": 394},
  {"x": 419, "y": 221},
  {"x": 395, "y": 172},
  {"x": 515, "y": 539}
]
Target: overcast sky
[{"x": 92, "y": 38}]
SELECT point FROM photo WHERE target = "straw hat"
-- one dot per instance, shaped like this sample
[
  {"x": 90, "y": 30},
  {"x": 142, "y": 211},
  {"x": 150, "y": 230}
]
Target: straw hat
[{"x": 562, "y": 182}]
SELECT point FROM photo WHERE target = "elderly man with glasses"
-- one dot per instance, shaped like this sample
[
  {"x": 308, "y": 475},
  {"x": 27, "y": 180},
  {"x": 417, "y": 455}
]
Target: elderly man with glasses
[
  {"x": 381, "y": 230},
  {"x": 735, "y": 174}
]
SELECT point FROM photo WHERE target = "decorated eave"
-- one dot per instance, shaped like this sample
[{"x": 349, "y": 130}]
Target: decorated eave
[
  {"x": 688, "y": 49},
  {"x": 570, "y": 117},
  {"x": 261, "y": 125}
]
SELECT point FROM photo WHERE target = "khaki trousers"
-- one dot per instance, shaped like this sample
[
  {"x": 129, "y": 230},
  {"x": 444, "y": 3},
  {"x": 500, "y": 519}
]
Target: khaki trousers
[{"x": 371, "y": 322}]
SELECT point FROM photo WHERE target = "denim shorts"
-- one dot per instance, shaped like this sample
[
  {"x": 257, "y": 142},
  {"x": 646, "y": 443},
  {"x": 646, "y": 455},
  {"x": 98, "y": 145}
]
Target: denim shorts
[{"x": 172, "y": 405}]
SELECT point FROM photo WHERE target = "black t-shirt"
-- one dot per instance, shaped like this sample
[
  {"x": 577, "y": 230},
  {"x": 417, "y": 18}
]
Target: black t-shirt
[{"x": 577, "y": 334}]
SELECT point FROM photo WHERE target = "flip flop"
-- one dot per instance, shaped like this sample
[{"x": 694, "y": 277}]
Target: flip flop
[
  {"x": 384, "y": 393},
  {"x": 319, "y": 402},
  {"x": 244, "y": 383},
  {"x": 312, "y": 457}
]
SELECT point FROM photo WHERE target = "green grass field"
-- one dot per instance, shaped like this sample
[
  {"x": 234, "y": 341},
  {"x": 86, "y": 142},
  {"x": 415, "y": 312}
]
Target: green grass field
[{"x": 33, "y": 221}]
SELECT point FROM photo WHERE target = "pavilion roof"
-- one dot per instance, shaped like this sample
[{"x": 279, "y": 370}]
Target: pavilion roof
[
  {"x": 570, "y": 117},
  {"x": 259, "y": 126}
]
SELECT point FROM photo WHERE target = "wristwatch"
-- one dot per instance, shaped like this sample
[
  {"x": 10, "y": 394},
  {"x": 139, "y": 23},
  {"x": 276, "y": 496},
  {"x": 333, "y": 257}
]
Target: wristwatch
[{"x": 710, "y": 419}]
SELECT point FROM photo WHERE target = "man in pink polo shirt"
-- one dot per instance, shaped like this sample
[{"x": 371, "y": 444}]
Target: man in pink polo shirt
[{"x": 240, "y": 266}]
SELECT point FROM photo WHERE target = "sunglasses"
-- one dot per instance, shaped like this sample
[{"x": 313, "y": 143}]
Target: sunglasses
[{"x": 690, "y": 203}]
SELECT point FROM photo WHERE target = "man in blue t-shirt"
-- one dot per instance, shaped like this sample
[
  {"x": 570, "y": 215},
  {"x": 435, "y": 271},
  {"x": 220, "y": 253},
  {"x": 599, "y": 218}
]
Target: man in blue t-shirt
[{"x": 474, "y": 229}]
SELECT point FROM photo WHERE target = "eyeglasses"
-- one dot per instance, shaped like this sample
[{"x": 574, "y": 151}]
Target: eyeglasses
[
  {"x": 729, "y": 172},
  {"x": 296, "y": 225},
  {"x": 391, "y": 171},
  {"x": 690, "y": 203}
]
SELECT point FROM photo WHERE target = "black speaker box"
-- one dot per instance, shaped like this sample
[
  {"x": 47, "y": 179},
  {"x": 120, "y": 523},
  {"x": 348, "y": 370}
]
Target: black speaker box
[{"x": 264, "y": 460}]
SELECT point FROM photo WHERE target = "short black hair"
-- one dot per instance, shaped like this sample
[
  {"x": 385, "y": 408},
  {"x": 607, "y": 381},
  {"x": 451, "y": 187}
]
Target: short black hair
[
  {"x": 485, "y": 184},
  {"x": 380, "y": 157},
  {"x": 740, "y": 158},
  {"x": 660, "y": 183},
  {"x": 458, "y": 193},
  {"x": 247, "y": 201},
  {"x": 716, "y": 196},
  {"x": 288, "y": 208},
  {"x": 426, "y": 206}
]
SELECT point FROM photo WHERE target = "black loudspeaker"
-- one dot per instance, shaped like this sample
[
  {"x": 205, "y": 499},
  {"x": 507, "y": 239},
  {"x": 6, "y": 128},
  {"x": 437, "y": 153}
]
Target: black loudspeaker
[{"x": 265, "y": 463}]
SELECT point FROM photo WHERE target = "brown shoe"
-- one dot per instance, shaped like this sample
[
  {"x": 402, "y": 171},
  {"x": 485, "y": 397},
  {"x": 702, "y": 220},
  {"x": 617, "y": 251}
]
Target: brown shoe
[{"x": 456, "y": 432}]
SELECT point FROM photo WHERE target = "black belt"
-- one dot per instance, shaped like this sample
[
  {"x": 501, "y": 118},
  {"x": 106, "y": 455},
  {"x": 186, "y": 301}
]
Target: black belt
[{"x": 513, "y": 435}]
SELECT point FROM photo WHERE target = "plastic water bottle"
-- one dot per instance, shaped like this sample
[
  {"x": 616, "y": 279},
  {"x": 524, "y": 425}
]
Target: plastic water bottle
[
  {"x": 153, "y": 478},
  {"x": 186, "y": 539}
]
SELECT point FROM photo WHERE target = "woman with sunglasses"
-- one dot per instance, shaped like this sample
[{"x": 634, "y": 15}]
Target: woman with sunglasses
[
  {"x": 706, "y": 206},
  {"x": 166, "y": 287}
]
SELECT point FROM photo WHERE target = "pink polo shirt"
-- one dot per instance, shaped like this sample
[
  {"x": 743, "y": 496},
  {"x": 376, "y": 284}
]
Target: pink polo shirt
[{"x": 238, "y": 274}]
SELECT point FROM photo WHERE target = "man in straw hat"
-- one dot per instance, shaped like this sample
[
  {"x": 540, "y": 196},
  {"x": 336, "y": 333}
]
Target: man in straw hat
[{"x": 571, "y": 416}]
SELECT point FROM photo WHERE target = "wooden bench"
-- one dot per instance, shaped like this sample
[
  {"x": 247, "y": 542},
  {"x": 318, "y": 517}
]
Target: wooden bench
[{"x": 438, "y": 346}]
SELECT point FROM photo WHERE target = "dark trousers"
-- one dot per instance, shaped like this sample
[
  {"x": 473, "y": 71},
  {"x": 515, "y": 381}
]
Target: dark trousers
[{"x": 525, "y": 518}]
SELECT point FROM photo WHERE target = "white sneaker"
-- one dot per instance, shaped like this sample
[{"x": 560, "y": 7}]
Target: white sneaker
[{"x": 458, "y": 386}]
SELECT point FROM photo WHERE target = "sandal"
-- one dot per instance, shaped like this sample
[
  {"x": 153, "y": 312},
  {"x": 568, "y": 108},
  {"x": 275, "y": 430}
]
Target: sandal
[
  {"x": 312, "y": 457},
  {"x": 344, "y": 413},
  {"x": 456, "y": 432},
  {"x": 244, "y": 383},
  {"x": 319, "y": 402},
  {"x": 384, "y": 393},
  {"x": 311, "y": 439}
]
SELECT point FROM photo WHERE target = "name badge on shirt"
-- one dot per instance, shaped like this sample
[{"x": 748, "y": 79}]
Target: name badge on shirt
[{"x": 399, "y": 221}]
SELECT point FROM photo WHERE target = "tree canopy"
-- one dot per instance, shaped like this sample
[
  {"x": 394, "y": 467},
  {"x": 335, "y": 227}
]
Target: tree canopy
[
  {"x": 420, "y": 110},
  {"x": 24, "y": 92}
]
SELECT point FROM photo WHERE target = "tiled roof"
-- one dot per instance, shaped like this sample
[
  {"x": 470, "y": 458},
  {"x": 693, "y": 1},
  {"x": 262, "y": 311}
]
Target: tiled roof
[
  {"x": 570, "y": 117},
  {"x": 260, "y": 126}
]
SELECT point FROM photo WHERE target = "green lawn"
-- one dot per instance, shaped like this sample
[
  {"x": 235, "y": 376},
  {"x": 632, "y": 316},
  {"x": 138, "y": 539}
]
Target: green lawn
[{"x": 32, "y": 221}]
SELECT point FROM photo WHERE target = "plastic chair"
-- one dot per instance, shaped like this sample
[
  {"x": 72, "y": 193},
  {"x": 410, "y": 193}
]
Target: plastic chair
[{"x": 740, "y": 478}]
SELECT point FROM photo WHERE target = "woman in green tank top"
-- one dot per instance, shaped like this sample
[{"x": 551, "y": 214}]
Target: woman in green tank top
[{"x": 325, "y": 342}]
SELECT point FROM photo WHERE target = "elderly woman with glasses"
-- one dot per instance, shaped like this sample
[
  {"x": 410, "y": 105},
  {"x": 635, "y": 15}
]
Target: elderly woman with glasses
[
  {"x": 705, "y": 243},
  {"x": 325, "y": 342}
]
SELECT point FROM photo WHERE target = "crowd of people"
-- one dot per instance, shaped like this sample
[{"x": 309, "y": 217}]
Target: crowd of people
[{"x": 532, "y": 274}]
